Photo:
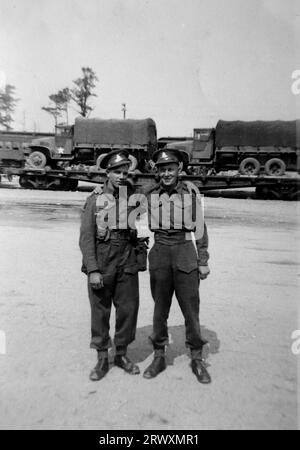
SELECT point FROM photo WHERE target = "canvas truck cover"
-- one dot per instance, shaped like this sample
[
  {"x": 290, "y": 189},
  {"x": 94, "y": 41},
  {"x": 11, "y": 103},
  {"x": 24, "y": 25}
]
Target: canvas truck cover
[
  {"x": 258, "y": 133},
  {"x": 114, "y": 131}
]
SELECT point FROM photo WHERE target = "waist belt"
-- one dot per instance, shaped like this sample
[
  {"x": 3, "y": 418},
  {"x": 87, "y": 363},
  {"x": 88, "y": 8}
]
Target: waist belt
[{"x": 172, "y": 238}]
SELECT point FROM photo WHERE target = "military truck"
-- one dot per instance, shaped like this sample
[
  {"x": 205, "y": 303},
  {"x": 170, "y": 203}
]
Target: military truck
[
  {"x": 249, "y": 147},
  {"x": 88, "y": 140},
  {"x": 260, "y": 151}
]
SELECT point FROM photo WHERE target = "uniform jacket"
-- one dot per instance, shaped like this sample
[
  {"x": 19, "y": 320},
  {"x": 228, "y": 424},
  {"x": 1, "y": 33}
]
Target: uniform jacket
[
  {"x": 91, "y": 230},
  {"x": 187, "y": 191}
]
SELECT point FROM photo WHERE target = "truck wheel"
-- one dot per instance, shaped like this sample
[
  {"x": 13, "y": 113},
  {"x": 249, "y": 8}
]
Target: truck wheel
[
  {"x": 37, "y": 160},
  {"x": 69, "y": 184},
  {"x": 275, "y": 166},
  {"x": 249, "y": 166},
  {"x": 24, "y": 183},
  {"x": 261, "y": 192}
]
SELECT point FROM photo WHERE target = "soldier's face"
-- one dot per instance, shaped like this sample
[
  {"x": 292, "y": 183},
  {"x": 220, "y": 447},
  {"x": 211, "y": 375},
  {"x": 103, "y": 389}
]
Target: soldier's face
[
  {"x": 168, "y": 174},
  {"x": 118, "y": 176}
]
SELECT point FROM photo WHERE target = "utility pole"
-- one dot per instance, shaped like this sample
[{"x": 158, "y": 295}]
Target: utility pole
[
  {"x": 124, "y": 110},
  {"x": 24, "y": 121}
]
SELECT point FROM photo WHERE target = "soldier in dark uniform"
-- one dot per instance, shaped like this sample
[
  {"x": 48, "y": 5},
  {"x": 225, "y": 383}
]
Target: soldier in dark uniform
[
  {"x": 174, "y": 263},
  {"x": 110, "y": 261}
]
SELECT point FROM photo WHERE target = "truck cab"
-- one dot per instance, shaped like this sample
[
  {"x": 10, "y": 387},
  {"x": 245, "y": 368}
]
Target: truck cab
[
  {"x": 203, "y": 145},
  {"x": 199, "y": 150},
  {"x": 64, "y": 139},
  {"x": 51, "y": 149}
]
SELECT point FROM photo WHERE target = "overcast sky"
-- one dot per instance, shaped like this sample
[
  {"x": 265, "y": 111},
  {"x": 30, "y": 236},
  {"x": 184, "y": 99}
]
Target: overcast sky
[{"x": 185, "y": 63}]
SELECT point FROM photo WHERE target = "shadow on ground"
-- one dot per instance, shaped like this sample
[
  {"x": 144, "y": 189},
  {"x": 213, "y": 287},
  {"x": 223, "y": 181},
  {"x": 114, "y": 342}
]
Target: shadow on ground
[{"x": 141, "y": 348}]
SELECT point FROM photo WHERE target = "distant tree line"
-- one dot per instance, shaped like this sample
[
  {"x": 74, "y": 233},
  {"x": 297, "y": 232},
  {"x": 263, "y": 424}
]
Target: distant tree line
[
  {"x": 8, "y": 103},
  {"x": 80, "y": 94}
]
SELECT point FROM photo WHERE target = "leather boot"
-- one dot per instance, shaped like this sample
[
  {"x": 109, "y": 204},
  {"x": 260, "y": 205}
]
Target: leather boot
[
  {"x": 124, "y": 362},
  {"x": 199, "y": 369},
  {"x": 158, "y": 365},
  {"x": 100, "y": 370}
]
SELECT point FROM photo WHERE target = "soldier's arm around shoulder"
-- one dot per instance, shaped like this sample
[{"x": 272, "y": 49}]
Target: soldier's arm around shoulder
[{"x": 87, "y": 239}]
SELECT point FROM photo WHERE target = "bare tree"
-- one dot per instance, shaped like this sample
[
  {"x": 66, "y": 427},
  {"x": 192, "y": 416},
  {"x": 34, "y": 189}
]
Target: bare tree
[
  {"x": 8, "y": 103},
  {"x": 83, "y": 90}
]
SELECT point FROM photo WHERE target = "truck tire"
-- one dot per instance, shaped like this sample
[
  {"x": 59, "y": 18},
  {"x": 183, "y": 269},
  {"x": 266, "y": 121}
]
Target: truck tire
[
  {"x": 262, "y": 192},
  {"x": 24, "y": 183},
  {"x": 69, "y": 184},
  {"x": 249, "y": 166},
  {"x": 275, "y": 167},
  {"x": 37, "y": 160}
]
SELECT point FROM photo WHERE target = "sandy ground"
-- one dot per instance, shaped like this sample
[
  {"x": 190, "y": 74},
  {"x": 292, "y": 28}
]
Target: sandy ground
[{"x": 248, "y": 313}]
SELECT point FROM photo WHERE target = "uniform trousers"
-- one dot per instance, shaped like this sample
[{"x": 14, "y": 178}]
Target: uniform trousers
[
  {"x": 174, "y": 269},
  {"x": 117, "y": 263}
]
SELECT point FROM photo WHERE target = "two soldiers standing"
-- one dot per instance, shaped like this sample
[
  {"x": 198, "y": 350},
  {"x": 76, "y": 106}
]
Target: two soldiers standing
[{"x": 110, "y": 261}]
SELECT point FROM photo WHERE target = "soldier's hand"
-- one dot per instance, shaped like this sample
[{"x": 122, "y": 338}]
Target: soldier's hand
[
  {"x": 96, "y": 280},
  {"x": 203, "y": 272}
]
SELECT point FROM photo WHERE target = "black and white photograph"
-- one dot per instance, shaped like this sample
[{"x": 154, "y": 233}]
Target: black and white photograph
[{"x": 149, "y": 217}]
